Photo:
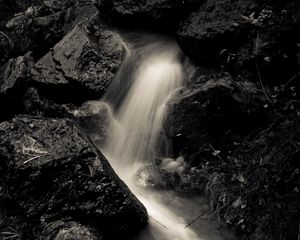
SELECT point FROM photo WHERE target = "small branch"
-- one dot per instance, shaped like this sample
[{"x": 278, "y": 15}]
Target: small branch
[
  {"x": 262, "y": 85},
  {"x": 30, "y": 159},
  {"x": 292, "y": 79},
  {"x": 158, "y": 222},
  {"x": 201, "y": 215}
]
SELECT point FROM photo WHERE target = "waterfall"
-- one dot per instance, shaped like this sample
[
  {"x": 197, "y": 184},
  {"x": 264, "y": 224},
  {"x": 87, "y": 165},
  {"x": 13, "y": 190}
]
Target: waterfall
[
  {"x": 134, "y": 139},
  {"x": 138, "y": 108}
]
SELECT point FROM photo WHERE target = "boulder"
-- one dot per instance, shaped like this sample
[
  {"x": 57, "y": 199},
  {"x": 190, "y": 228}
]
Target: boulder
[
  {"x": 212, "y": 110},
  {"x": 145, "y": 13},
  {"x": 256, "y": 39},
  {"x": 39, "y": 25},
  {"x": 6, "y": 47},
  {"x": 50, "y": 171},
  {"x": 94, "y": 117},
  {"x": 216, "y": 25},
  {"x": 82, "y": 64},
  {"x": 63, "y": 230},
  {"x": 14, "y": 75}
]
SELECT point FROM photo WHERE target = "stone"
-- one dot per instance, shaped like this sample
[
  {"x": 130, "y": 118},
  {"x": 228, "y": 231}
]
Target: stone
[
  {"x": 81, "y": 64},
  {"x": 51, "y": 171},
  {"x": 63, "y": 230},
  {"x": 212, "y": 28},
  {"x": 14, "y": 72},
  {"x": 145, "y": 12},
  {"x": 213, "y": 109},
  {"x": 14, "y": 76},
  {"x": 40, "y": 25},
  {"x": 95, "y": 118}
]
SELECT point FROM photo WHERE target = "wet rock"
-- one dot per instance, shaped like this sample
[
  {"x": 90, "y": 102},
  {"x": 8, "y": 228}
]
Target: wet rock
[
  {"x": 214, "y": 109},
  {"x": 35, "y": 104},
  {"x": 216, "y": 25},
  {"x": 251, "y": 38},
  {"x": 246, "y": 188},
  {"x": 61, "y": 230},
  {"x": 181, "y": 179},
  {"x": 14, "y": 75},
  {"x": 94, "y": 117},
  {"x": 14, "y": 72},
  {"x": 82, "y": 64},
  {"x": 6, "y": 47},
  {"x": 51, "y": 171},
  {"x": 145, "y": 12},
  {"x": 41, "y": 24}
]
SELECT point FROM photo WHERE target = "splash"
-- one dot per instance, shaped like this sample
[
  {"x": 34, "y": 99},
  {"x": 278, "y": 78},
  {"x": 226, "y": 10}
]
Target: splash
[{"x": 139, "y": 108}]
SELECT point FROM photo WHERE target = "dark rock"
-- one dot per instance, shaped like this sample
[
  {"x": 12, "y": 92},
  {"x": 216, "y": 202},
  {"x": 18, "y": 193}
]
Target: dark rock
[
  {"x": 6, "y": 47},
  {"x": 14, "y": 72},
  {"x": 212, "y": 110},
  {"x": 251, "y": 38},
  {"x": 61, "y": 230},
  {"x": 171, "y": 174},
  {"x": 95, "y": 118},
  {"x": 146, "y": 13},
  {"x": 14, "y": 76},
  {"x": 35, "y": 104},
  {"x": 257, "y": 190},
  {"x": 39, "y": 26},
  {"x": 50, "y": 171},
  {"x": 81, "y": 63},
  {"x": 216, "y": 25}
]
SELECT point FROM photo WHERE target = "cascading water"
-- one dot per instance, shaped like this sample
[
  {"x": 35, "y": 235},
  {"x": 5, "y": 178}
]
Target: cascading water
[{"x": 134, "y": 138}]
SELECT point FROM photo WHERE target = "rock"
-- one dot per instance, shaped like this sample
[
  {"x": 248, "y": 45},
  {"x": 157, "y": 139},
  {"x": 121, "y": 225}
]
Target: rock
[
  {"x": 244, "y": 38},
  {"x": 145, "y": 12},
  {"x": 216, "y": 25},
  {"x": 212, "y": 110},
  {"x": 61, "y": 230},
  {"x": 94, "y": 117},
  {"x": 51, "y": 171},
  {"x": 35, "y": 104},
  {"x": 249, "y": 184},
  {"x": 14, "y": 75},
  {"x": 81, "y": 64},
  {"x": 14, "y": 72},
  {"x": 6, "y": 47},
  {"x": 159, "y": 177},
  {"x": 41, "y": 25}
]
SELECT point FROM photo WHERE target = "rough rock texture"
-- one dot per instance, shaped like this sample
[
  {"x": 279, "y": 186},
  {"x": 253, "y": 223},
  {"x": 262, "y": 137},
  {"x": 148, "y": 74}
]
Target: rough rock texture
[
  {"x": 14, "y": 75},
  {"x": 38, "y": 25},
  {"x": 245, "y": 37},
  {"x": 6, "y": 47},
  {"x": 94, "y": 117},
  {"x": 14, "y": 72},
  {"x": 257, "y": 189},
  {"x": 212, "y": 110},
  {"x": 213, "y": 27},
  {"x": 145, "y": 13},
  {"x": 61, "y": 230},
  {"x": 81, "y": 62},
  {"x": 50, "y": 171}
]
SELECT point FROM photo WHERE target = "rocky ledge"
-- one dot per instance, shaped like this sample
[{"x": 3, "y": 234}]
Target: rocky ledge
[{"x": 51, "y": 176}]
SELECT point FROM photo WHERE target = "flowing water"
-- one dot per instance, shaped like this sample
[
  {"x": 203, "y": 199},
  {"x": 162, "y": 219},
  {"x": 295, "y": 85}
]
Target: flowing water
[{"x": 151, "y": 74}]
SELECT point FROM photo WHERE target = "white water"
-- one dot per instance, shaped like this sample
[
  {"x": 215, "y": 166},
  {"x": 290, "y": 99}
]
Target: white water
[{"x": 134, "y": 140}]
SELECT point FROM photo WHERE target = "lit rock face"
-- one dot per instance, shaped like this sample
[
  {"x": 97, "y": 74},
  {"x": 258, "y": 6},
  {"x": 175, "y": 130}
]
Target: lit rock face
[
  {"x": 83, "y": 63},
  {"x": 50, "y": 172}
]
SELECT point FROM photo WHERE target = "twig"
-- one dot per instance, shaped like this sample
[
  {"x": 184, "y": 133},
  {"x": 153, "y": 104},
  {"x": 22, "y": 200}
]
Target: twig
[
  {"x": 201, "y": 215},
  {"x": 30, "y": 159},
  {"x": 262, "y": 85},
  {"x": 158, "y": 222},
  {"x": 292, "y": 79}
]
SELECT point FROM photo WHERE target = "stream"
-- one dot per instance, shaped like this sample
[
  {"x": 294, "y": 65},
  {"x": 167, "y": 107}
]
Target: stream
[{"x": 152, "y": 72}]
